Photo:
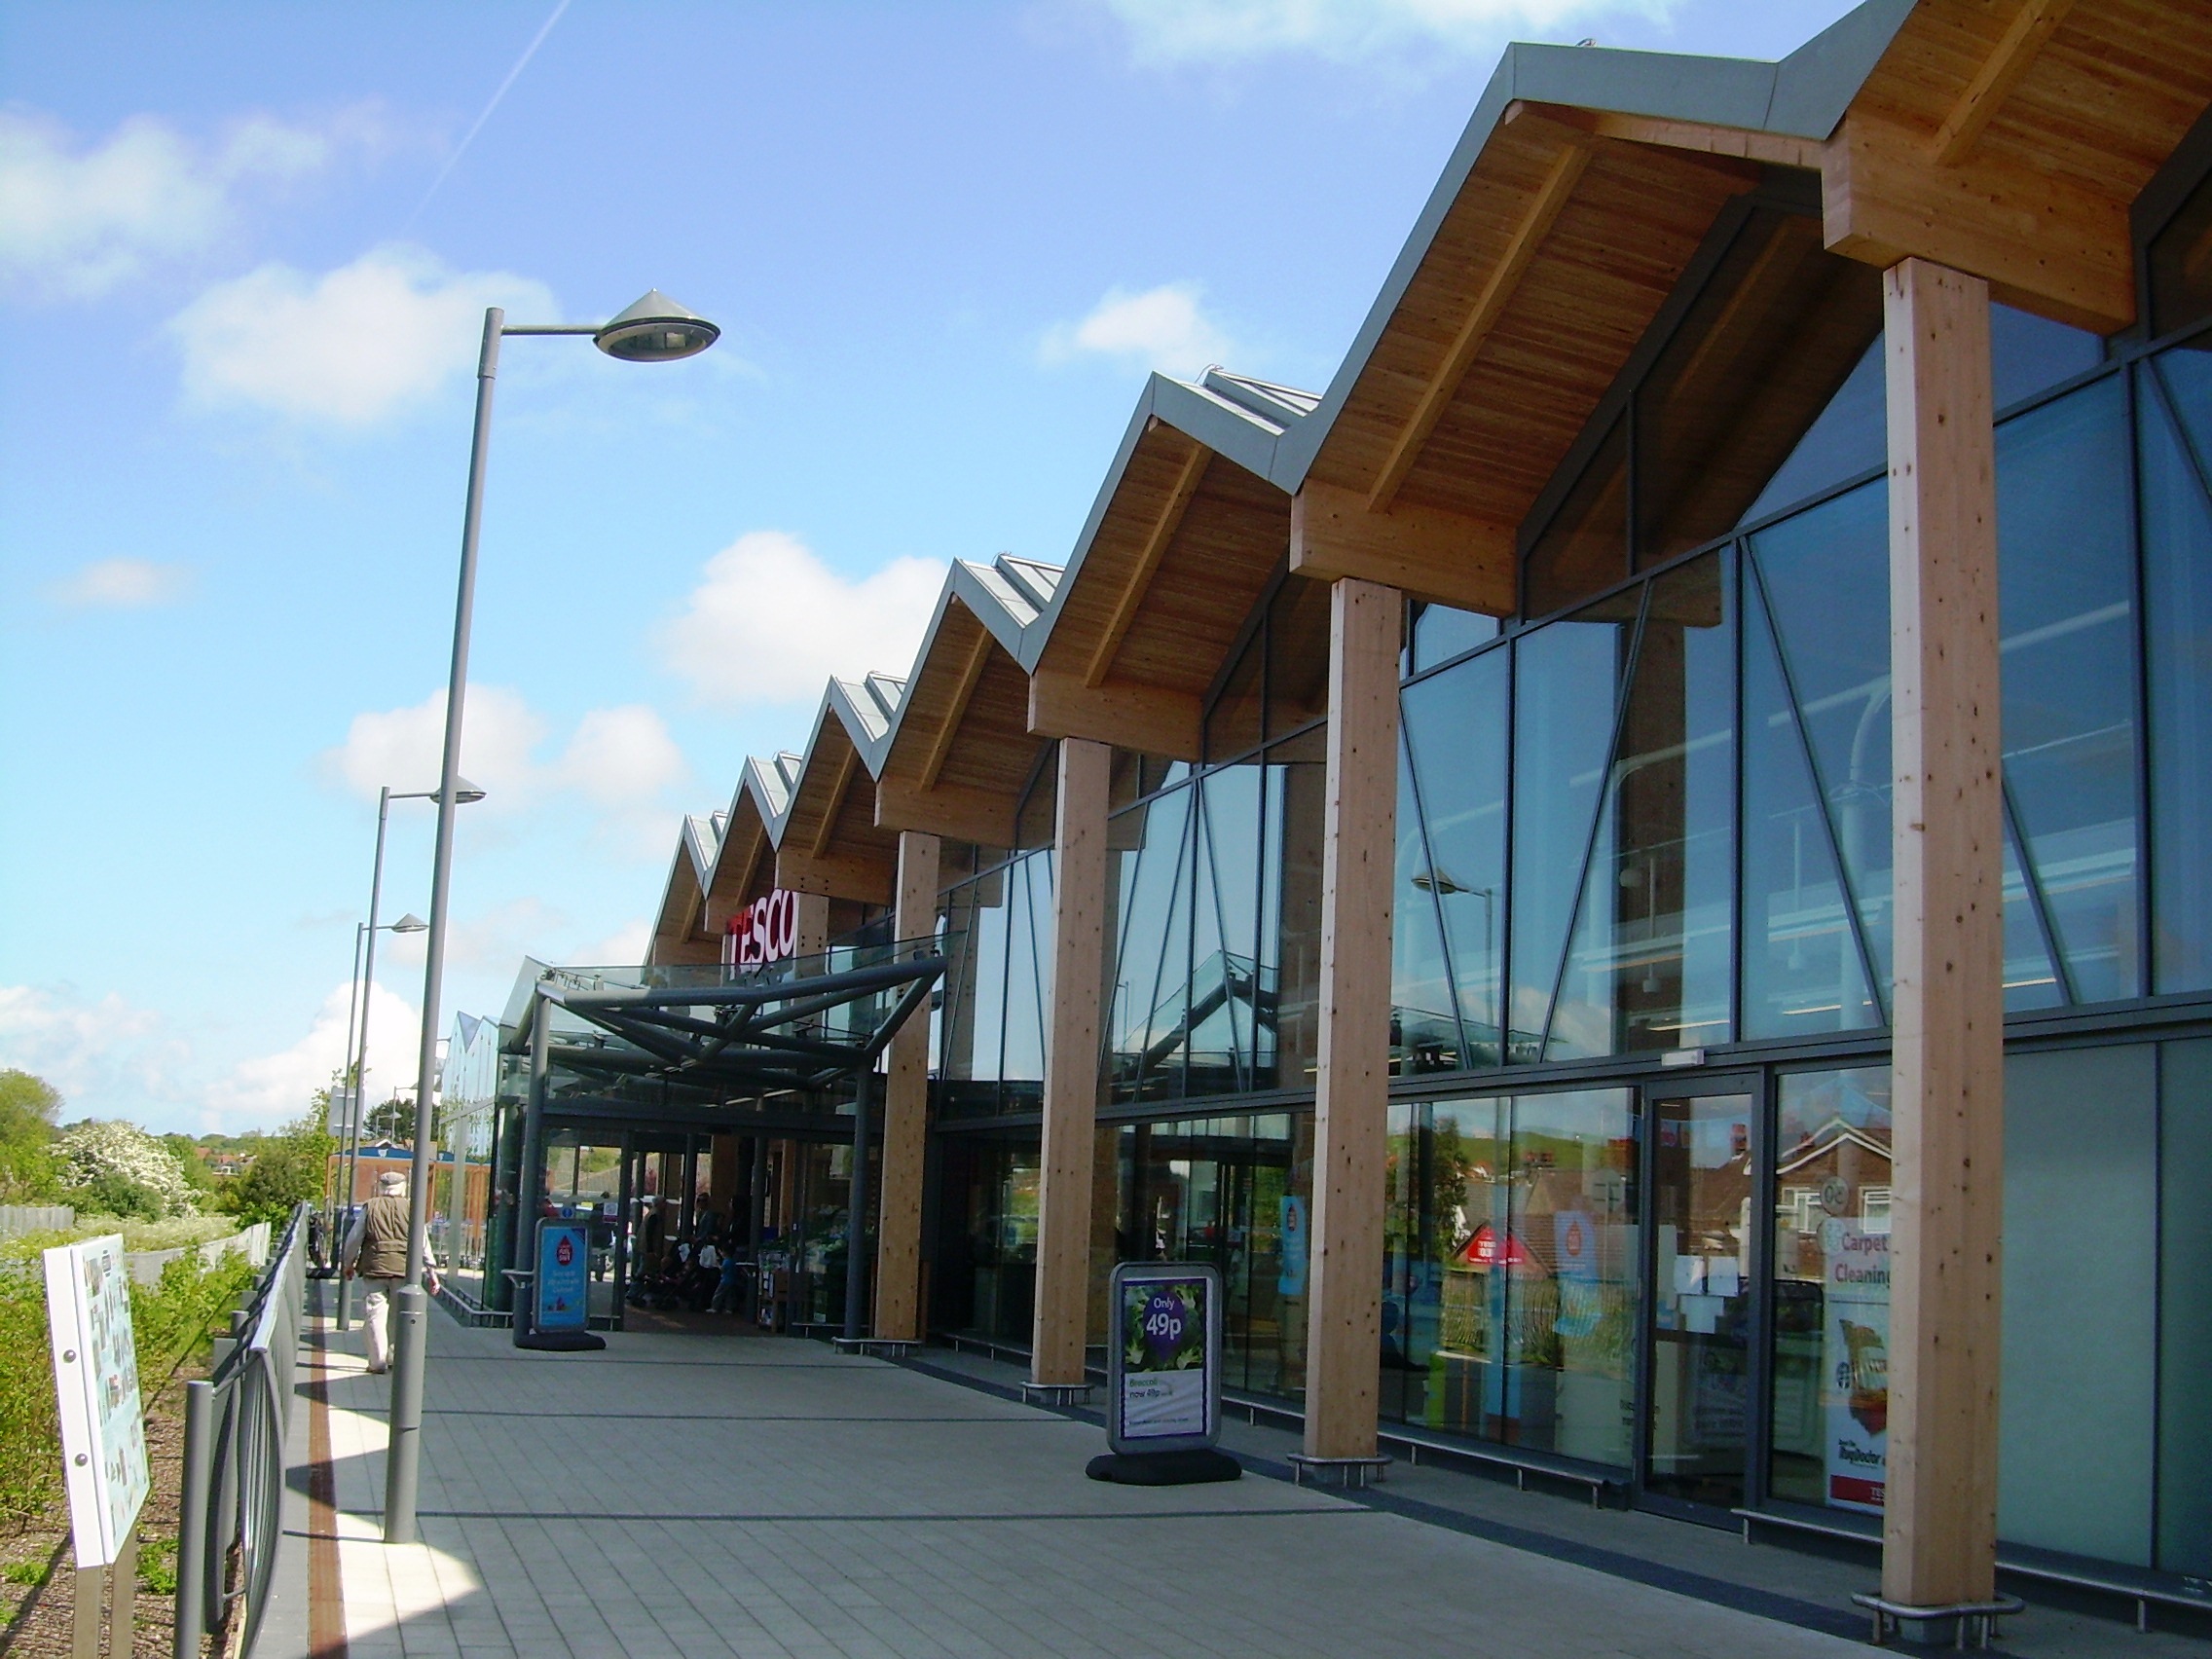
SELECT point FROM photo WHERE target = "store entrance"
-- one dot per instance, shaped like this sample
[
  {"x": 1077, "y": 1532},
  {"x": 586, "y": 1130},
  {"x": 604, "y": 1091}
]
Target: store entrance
[{"x": 1700, "y": 1160}]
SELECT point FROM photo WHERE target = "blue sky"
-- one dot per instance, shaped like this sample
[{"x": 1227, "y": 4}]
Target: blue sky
[{"x": 244, "y": 257}]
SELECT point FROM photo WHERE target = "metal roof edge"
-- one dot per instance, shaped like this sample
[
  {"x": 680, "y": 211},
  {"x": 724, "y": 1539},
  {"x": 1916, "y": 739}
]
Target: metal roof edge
[
  {"x": 1812, "y": 85},
  {"x": 844, "y": 697}
]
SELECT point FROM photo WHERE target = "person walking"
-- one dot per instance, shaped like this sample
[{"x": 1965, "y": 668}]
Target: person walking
[{"x": 376, "y": 1250}]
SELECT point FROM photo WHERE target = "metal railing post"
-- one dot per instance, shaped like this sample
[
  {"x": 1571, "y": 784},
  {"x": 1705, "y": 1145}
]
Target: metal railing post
[{"x": 192, "y": 1518}]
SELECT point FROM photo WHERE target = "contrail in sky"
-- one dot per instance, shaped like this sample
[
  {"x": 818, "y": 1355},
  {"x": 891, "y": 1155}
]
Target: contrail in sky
[{"x": 521, "y": 63}]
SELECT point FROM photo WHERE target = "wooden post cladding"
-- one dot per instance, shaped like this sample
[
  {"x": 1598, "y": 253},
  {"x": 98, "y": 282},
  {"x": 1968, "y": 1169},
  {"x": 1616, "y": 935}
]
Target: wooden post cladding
[
  {"x": 811, "y": 937},
  {"x": 1947, "y": 1099},
  {"x": 1359, "y": 838},
  {"x": 1071, "y": 1063},
  {"x": 905, "y": 1115}
]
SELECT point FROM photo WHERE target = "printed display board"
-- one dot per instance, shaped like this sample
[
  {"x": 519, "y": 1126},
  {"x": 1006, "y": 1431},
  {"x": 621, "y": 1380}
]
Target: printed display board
[
  {"x": 1164, "y": 1357},
  {"x": 1854, "y": 1356},
  {"x": 564, "y": 1275},
  {"x": 95, "y": 1380}
]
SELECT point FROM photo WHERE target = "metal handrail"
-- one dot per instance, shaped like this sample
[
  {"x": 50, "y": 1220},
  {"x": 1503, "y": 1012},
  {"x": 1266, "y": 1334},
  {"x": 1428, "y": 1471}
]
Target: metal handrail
[{"x": 235, "y": 1425}]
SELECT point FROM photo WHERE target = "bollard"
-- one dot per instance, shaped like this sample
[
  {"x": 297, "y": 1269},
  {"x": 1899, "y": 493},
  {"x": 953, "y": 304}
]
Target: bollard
[
  {"x": 192, "y": 1518},
  {"x": 409, "y": 1322}
]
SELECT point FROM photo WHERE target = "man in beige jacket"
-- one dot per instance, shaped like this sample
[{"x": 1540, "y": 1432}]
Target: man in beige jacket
[{"x": 376, "y": 1251}]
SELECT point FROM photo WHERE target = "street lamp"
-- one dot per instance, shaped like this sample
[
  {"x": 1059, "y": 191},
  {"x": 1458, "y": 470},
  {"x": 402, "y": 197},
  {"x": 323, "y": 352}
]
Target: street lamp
[
  {"x": 654, "y": 330},
  {"x": 357, "y": 1058}
]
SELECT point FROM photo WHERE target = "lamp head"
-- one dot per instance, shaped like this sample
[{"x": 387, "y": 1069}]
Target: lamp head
[
  {"x": 465, "y": 792},
  {"x": 411, "y": 923},
  {"x": 657, "y": 330}
]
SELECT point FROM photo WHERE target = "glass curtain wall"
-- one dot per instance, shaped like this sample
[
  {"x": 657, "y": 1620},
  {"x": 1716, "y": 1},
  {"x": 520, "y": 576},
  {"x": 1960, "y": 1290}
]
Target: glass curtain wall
[
  {"x": 467, "y": 1130},
  {"x": 1511, "y": 1297}
]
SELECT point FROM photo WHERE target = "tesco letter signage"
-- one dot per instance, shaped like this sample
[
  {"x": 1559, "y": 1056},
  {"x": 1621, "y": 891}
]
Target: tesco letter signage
[{"x": 762, "y": 932}]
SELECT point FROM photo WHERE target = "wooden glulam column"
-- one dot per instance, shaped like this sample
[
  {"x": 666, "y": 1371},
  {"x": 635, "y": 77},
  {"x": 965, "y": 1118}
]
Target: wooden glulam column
[
  {"x": 1071, "y": 1066},
  {"x": 1947, "y": 1088},
  {"x": 905, "y": 1115},
  {"x": 1359, "y": 837}
]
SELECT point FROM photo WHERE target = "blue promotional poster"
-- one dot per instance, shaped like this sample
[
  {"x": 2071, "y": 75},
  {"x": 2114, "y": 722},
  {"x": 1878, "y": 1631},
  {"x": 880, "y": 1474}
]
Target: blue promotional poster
[
  {"x": 1290, "y": 1281},
  {"x": 564, "y": 1284}
]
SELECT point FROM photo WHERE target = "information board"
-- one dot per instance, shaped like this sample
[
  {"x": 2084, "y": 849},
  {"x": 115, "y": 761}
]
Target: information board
[
  {"x": 95, "y": 1381},
  {"x": 1164, "y": 1357},
  {"x": 564, "y": 1275}
]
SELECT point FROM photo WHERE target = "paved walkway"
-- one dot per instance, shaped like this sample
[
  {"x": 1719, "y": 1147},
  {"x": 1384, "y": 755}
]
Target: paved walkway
[{"x": 687, "y": 1495}]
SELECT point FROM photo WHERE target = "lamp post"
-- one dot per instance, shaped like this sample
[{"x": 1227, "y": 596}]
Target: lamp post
[
  {"x": 654, "y": 330},
  {"x": 357, "y": 1056}
]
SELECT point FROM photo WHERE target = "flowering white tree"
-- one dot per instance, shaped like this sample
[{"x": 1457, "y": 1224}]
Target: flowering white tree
[{"x": 120, "y": 1167}]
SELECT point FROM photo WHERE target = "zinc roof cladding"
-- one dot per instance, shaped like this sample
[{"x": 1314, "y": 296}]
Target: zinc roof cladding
[
  {"x": 698, "y": 843},
  {"x": 1803, "y": 96}
]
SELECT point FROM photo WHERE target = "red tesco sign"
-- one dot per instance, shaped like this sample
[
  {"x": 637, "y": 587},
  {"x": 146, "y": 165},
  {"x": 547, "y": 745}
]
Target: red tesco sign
[{"x": 763, "y": 930}]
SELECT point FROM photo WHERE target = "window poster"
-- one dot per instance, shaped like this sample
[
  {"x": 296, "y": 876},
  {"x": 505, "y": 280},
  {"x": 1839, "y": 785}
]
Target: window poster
[
  {"x": 1291, "y": 1280},
  {"x": 1855, "y": 1363},
  {"x": 1164, "y": 1371},
  {"x": 95, "y": 1380}
]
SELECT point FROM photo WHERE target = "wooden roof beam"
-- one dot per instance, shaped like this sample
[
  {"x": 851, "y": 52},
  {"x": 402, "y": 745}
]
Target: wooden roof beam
[
  {"x": 1149, "y": 719},
  {"x": 971, "y": 674},
  {"x": 1155, "y": 544},
  {"x": 1536, "y": 220},
  {"x": 1690, "y": 138},
  {"x": 1429, "y": 553},
  {"x": 950, "y": 810},
  {"x": 2042, "y": 244},
  {"x": 2032, "y": 25},
  {"x": 866, "y": 877},
  {"x": 829, "y": 825}
]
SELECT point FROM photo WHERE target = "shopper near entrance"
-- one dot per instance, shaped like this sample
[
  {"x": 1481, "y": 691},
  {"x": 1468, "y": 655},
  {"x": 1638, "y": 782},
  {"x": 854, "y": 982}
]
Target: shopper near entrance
[{"x": 376, "y": 1250}]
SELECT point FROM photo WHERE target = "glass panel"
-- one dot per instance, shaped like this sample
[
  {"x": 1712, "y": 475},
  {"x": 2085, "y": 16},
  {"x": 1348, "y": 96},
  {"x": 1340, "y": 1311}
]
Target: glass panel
[
  {"x": 1297, "y": 655},
  {"x": 985, "y": 1278},
  {"x": 1028, "y": 980},
  {"x": 1442, "y": 633},
  {"x": 2080, "y": 1337},
  {"x": 1455, "y": 729},
  {"x": 1568, "y": 677},
  {"x": 2184, "y": 1312},
  {"x": 1233, "y": 721},
  {"x": 1424, "y": 1031},
  {"x": 2177, "y": 575},
  {"x": 1153, "y": 918},
  {"x": 1763, "y": 352},
  {"x": 2029, "y": 981},
  {"x": 1827, "y": 575},
  {"x": 1701, "y": 1298},
  {"x": 2066, "y": 590},
  {"x": 1290, "y": 917},
  {"x": 1831, "y": 1289},
  {"x": 1802, "y": 970},
  {"x": 1468, "y": 1176},
  {"x": 1585, "y": 546},
  {"x": 975, "y": 1001},
  {"x": 1850, "y": 437},
  {"x": 2028, "y": 354},
  {"x": 1649, "y": 962},
  {"x": 1226, "y": 992},
  {"x": 1573, "y": 1309},
  {"x": 1405, "y": 1269},
  {"x": 2181, "y": 265}
]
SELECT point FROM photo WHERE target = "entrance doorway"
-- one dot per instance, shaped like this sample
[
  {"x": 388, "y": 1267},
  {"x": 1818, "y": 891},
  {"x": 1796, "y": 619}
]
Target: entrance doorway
[{"x": 1704, "y": 1255}]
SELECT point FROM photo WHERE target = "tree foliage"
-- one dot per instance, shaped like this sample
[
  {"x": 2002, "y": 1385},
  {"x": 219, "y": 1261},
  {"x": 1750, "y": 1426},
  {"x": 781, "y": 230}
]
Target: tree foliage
[
  {"x": 28, "y": 1107},
  {"x": 122, "y": 1169},
  {"x": 287, "y": 1168}
]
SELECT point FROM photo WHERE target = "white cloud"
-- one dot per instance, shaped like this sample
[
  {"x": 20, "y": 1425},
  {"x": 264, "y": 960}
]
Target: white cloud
[
  {"x": 404, "y": 747},
  {"x": 1185, "y": 31},
  {"x": 273, "y": 1088},
  {"x": 621, "y": 755},
  {"x": 109, "y": 1059},
  {"x": 769, "y": 622},
  {"x": 625, "y": 945},
  {"x": 121, "y": 584},
  {"x": 352, "y": 346},
  {"x": 1162, "y": 329},
  {"x": 77, "y": 220}
]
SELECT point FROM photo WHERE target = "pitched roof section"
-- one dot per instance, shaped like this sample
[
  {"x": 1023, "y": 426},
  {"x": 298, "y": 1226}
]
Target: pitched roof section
[
  {"x": 829, "y": 842},
  {"x": 960, "y": 750},
  {"x": 678, "y": 932}
]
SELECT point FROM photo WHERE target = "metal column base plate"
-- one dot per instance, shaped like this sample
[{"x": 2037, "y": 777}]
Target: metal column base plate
[
  {"x": 1055, "y": 1393},
  {"x": 1345, "y": 1471},
  {"x": 1980, "y": 1618},
  {"x": 880, "y": 1348}
]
